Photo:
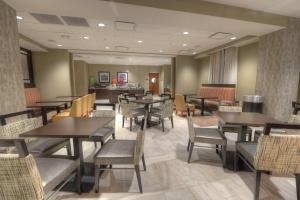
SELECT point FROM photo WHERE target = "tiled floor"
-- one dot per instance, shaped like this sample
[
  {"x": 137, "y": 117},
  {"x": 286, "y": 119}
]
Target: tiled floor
[{"x": 169, "y": 177}]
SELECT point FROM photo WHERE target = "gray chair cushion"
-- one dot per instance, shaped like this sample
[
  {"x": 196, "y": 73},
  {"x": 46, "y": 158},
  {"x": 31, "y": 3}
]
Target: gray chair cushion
[
  {"x": 42, "y": 145},
  {"x": 102, "y": 134},
  {"x": 55, "y": 170},
  {"x": 209, "y": 135},
  {"x": 247, "y": 150},
  {"x": 116, "y": 152}
]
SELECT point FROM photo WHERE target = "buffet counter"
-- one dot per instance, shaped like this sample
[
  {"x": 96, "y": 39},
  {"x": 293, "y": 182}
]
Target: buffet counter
[{"x": 112, "y": 93}]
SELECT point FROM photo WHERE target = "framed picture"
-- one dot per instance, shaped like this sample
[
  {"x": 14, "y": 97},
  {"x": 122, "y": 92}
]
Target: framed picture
[
  {"x": 104, "y": 77},
  {"x": 122, "y": 77}
]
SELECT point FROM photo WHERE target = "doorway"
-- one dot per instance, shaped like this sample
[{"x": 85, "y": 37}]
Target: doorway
[{"x": 154, "y": 82}]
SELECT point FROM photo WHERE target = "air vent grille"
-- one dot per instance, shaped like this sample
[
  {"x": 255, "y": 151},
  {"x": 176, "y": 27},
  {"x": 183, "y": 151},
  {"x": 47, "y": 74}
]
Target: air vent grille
[
  {"x": 75, "y": 21},
  {"x": 47, "y": 19},
  {"x": 125, "y": 26},
  {"x": 220, "y": 35}
]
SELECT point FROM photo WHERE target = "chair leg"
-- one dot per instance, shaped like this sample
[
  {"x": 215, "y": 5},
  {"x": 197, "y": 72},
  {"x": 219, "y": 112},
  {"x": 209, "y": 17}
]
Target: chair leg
[
  {"x": 188, "y": 147},
  {"x": 217, "y": 148},
  {"x": 257, "y": 184},
  {"x": 130, "y": 124},
  {"x": 69, "y": 150},
  {"x": 172, "y": 121},
  {"x": 163, "y": 124},
  {"x": 297, "y": 176},
  {"x": 114, "y": 136},
  {"x": 123, "y": 120},
  {"x": 119, "y": 108},
  {"x": 97, "y": 174},
  {"x": 224, "y": 151},
  {"x": 78, "y": 180},
  {"x": 95, "y": 144},
  {"x": 235, "y": 161},
  {"x": 138, "y": 175},
  {"x": 144, "y": 163},
  {"x": 191, "y": 151}
]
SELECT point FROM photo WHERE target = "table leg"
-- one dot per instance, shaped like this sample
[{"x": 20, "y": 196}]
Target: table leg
[
  {"x": 44, "y": 115},
  {"x": 66, "y": 105},
  {"x": 58, "y": 109},
  {"x": 202, "y": 106},
  {"x": 242, "y": 134}
]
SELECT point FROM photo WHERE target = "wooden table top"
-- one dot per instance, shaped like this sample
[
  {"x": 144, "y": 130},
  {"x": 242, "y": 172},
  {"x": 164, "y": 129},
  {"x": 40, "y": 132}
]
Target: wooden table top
[
  {"x": 202, "y": 97},
  {"x": 46, "y": 104},
  {"x": 245, "y": 118},
  {"x": 60, "y": 99},
  {"x": 70, "y": 127}
]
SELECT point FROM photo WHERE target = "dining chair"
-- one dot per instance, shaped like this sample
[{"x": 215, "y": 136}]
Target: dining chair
[
  {"x": 274, "y": 152},
  {"x": 166, "y": 111},
  {"x": 233, "y": 128},
  {"x": 181, "y": 106},
  {"x": 122, "y": 152},
  {"x": 85, "y": 106},
  {"x": 205, "y": 135},
  {"x": 130, "y": 110},
  {"x": 120, "y": 96},
  {"x": 25, "y": 177},
  {"x": 75, "y": 111}
]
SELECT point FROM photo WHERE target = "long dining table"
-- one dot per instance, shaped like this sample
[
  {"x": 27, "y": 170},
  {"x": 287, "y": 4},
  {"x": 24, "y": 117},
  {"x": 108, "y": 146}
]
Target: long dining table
[{"x": 74, "y": 128}]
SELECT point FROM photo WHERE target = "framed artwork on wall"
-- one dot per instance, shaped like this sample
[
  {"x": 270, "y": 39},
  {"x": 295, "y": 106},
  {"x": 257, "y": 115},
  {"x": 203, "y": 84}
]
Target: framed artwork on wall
[
  {"x": 122, "y": 77},
  {"x": 104, "y": 77}
]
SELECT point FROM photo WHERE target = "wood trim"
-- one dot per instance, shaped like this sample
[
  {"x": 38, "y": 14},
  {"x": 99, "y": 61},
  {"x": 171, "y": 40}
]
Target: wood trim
[{"x": 220, "y": 85}]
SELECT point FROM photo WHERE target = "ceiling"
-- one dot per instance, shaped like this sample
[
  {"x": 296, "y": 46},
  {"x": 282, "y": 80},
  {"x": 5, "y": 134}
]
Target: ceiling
[
  {"x": 160, "y": 30},
  {"x": 282, "y": 7}
]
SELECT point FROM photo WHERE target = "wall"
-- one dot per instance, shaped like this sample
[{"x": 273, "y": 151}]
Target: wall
[
  {"x": 278, "y": 70},
  {"x": 247, "y": 70},
  {"x": 203, "y": 71},
  {"x": 12, "y": 96},
  {"x": 52, "y": 73},
  {"x": 80, "y": 77},
  {"x": 136, "y": 74},
  {"x": 186, "y": 75}
]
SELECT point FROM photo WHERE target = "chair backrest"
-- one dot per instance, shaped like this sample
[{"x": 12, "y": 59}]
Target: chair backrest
[
  {"x": 191, "y": 128},
  {"x": 230, "y": 108},
  {"x": 89, "y": 102},
  {"x": 179, "y": 102},
  {"x": 76, "y": 108},
  {"x": 126, "y": 109},
  {"x": 84, "y": 105},
  {"x": 278, "y": 153},
  {"x": 167, "y": 108},
  {"x": 19, "y": 178},
  {"x": 93, "y": 99},
  {"x": 223, "y": 93},
  {"x": 140, "y": 140},
  {"x": 32, "y": 95}
]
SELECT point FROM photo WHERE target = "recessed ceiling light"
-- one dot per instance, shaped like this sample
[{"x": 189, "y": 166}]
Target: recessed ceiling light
[
  {"x": 185, "y": 33},
  {"x": 161, "y": 51},
  {"x": 86, "y": 37},
  {"x": 140, "y": 41},
  {"x": 19, "y": 17},
  {"x": 101, "y": 25},
  {"x": 59, "y": 45},
  {"x": 233, "y": 38},
  {"x": 184, "y": 45},
  {"x": 194, "y": 53},
  {"x": 107, "y": 47}
]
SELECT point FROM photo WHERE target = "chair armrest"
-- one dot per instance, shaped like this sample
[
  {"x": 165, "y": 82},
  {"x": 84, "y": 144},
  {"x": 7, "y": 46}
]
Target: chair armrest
[{"x": 19, "y": 143}]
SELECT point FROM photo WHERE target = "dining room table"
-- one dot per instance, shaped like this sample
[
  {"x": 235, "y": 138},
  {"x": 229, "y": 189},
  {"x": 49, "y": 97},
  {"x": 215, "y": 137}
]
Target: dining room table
[
  {"x": 75, "y": 128},
  {"x": 45, "y": 106},
  {"x": 203, "y": 98}
]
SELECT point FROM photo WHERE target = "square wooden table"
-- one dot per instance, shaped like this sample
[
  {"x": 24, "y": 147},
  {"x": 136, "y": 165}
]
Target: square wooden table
[
  {"x": 45, "y": 106},
  {"x": 244, "y": 119},
  {"x": 202, "y": 101}
]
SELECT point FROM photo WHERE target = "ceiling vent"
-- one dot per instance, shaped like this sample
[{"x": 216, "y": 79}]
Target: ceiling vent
[
  {"x": 125, "y": 26},
  {"x": 121, "y": 48},
  {"x": 220, "y": 36},
  {"x": 47, "y": 19},
  {"x": 75, "y": 21}
]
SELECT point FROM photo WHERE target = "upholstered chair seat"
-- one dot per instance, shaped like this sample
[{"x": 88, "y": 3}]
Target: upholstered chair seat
[
  {"x": 248, "y": 150},
  {"x": 41, "y": 145}
]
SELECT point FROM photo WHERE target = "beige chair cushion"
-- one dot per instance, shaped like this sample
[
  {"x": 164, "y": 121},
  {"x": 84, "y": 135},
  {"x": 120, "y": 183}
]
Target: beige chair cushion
[
  {"x": 116, "y": 152},
  {"x": 44, "y": 144},
  {"x": 209, "y": 135},
  {"x": 55, "y": 170}
]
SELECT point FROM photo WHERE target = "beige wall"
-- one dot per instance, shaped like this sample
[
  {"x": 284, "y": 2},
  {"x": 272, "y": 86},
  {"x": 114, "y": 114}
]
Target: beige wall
[
  {"x": 12, "y": 96},
  {"x": 80, "y": 78},
  {"x": 186, "y": 75},
  {"x": 203, "y": 70},
  {"x": 136, "y": 74},
  {"x": 52, "y": 73},
  {"x": 247, "y": 70}
]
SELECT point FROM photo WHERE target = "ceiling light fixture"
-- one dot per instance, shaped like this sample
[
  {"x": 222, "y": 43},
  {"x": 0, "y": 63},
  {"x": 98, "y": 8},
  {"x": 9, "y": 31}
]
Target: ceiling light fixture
[
  {"x": 140, "y": 41},
  {"x": 161, "y": 51},
  {"x": 59, "y": 45},
  {"x": 233, "y": 38},
  {"x": 107, "y": 47},
  {"x": 185, "y": 33},
  {"x": 19, "y": 17},
  {"x": 184, "y": 45},
  {"x": 194, "y": 53},
  {"x": 86, "y": 37},
  {"x": 101, "y": 25}
]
